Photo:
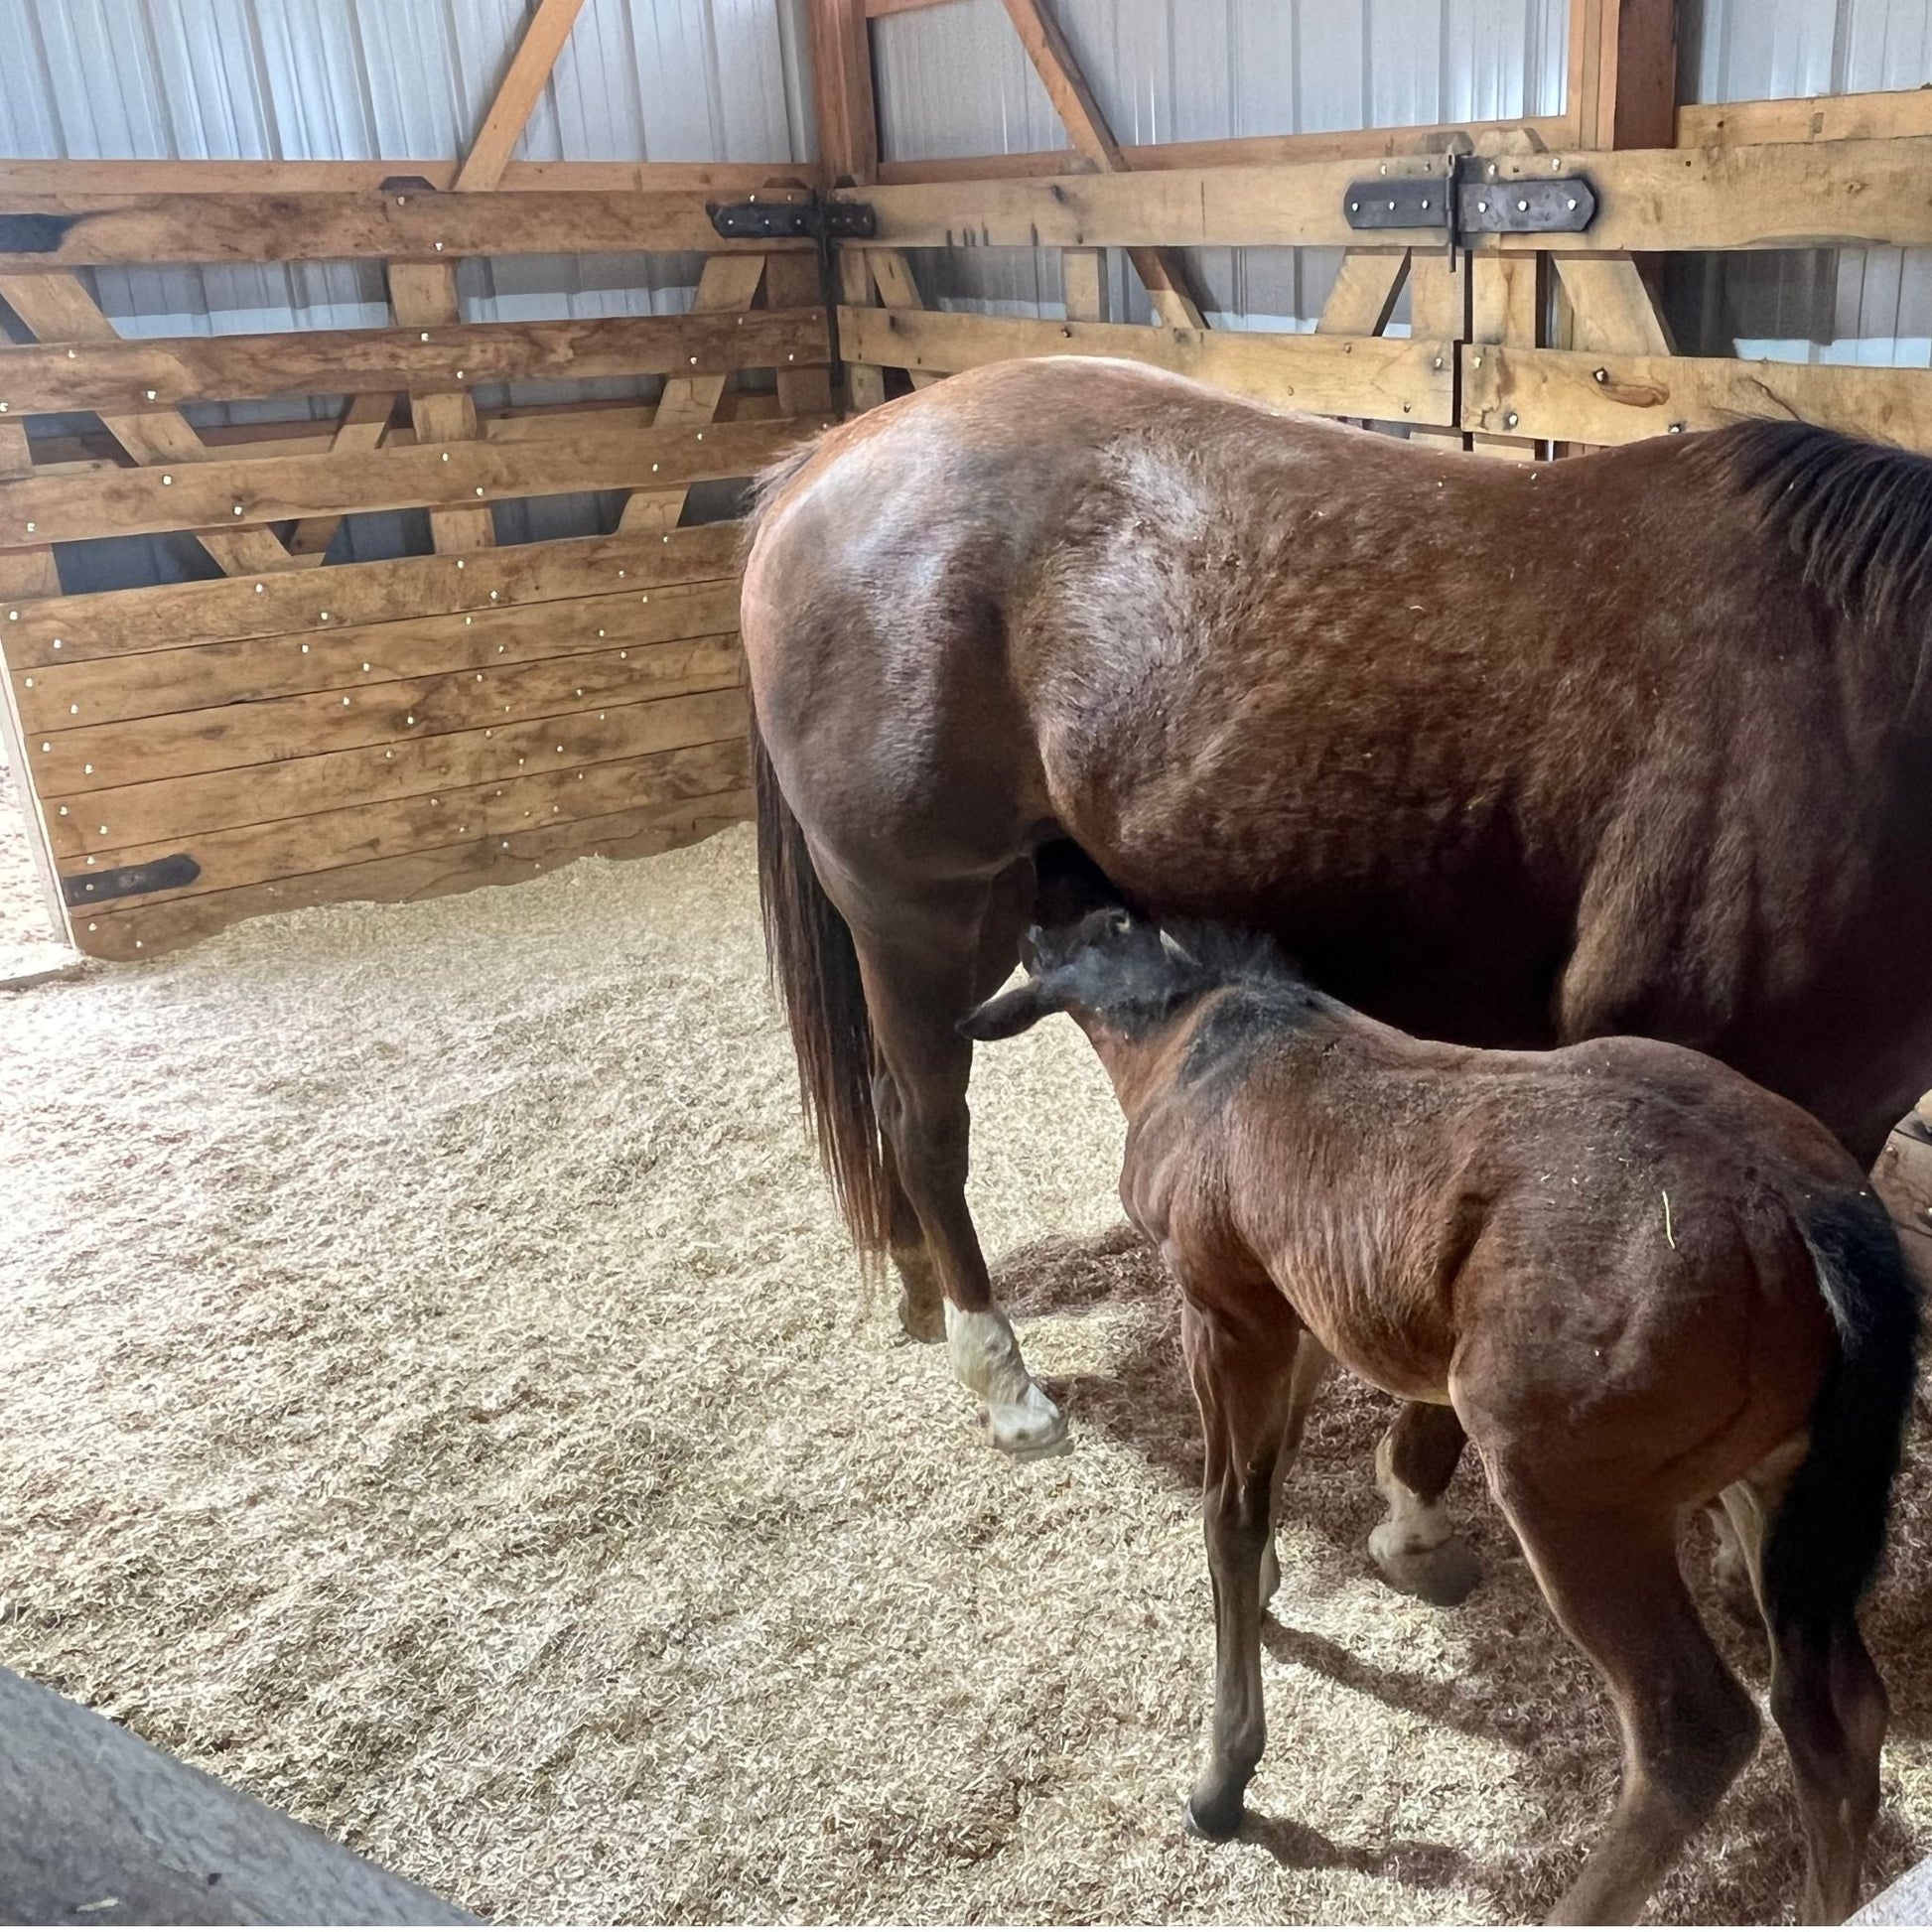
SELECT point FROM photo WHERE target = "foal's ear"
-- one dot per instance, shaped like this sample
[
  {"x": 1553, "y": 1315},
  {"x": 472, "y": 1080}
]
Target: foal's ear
[{"x": 1010, "y": 1012}]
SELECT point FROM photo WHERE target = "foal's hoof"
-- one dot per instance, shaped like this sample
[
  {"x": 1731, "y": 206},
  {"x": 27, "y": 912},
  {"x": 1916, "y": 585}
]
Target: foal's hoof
[
  {"x": 1032, "y": 1426},
  {"x": 1443, "y": 1575},
  {"x": 1214, "y": 1819}
]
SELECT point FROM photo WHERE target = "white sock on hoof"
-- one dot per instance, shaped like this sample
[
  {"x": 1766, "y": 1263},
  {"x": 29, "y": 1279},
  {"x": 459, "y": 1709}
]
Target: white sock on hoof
[
  {"x": 985, "y": 1357},
  {"x": 1413, "y": 1527}
]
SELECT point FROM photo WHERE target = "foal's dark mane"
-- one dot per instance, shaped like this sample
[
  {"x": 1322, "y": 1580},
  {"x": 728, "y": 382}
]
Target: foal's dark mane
[{"x": 1859, "y": 514}]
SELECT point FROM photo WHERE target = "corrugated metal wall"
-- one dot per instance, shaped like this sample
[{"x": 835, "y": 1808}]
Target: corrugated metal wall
[
  {"x": 1853, "y": 305},
  {"x": 954, "y": 79},
  {"x": 726, "y": 80},
  {"x": 391, "y": 80}
]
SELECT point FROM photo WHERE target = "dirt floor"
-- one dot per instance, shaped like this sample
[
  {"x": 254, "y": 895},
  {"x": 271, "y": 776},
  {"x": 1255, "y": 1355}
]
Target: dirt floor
[{"x": 434, "y": 1395}]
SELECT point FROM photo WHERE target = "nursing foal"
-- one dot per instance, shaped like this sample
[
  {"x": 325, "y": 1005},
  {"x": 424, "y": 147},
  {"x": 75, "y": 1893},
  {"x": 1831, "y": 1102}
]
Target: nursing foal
[{"x": 1641, "y": 1282}]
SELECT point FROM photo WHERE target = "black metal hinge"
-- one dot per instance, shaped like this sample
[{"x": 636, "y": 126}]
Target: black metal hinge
[
  {"x": 1466, "y": 200},
  {"x": 809, "y": 219},
  {"x": 122, "y": 882}
]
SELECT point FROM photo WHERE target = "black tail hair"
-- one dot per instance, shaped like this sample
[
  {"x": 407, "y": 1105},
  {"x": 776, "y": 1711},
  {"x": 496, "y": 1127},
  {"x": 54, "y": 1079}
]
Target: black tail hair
[
  {"x": 815, "y": 966},
  {"x": 1829, "y": 1534}
]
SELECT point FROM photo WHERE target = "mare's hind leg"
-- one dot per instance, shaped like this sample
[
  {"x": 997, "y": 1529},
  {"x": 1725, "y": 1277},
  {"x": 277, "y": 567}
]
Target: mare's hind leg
[
  {"x": 1688, "y": 1728},
  {"x": 1416, "y": 1547},
  {"x": 1831, "y": 1704},
  {"x": 924, "y": 969}
]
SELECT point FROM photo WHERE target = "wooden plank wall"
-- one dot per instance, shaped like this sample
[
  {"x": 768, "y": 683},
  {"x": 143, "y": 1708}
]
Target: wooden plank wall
[{"x": 296, "y": 732}]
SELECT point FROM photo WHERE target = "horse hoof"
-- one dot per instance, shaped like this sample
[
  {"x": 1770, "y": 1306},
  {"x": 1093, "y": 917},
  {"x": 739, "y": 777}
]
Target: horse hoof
[
  {"x": 1212, "y": 1821},
  {"x": 1443, "y": 1575},
  {"x": 1032, "y": 1426}
]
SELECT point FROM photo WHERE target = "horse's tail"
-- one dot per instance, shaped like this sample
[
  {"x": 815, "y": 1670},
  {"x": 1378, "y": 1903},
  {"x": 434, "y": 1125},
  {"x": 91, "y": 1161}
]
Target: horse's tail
[
  {"x": 1829, "y": 1529},
  {"x": 808, "y": 947}
]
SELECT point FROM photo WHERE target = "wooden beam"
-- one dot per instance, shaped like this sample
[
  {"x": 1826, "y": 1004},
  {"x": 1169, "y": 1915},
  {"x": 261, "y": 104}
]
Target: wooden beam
[
  {"x": 131, "y": 377},
  {"x": 847, "y": 117},
  {"x": 1814, "y": 117},
  {"x": 1365, "y": 292},
  {"x": 1588, "y": 396},
  {"x": 1296, "y": 207},
  {"x": 523, "y": 80},
  {"x": 1611, "y": 306},
  {"x": 1395, "y": 379},
  {"x": 882, "y": 9},
  {"x": 409, "y": 224},
  {"x": 157, "y": 617},
  {"x": 58, "y": 309},
  {"x": 207, "y": 495},
  {"x": 425, "y": 293},
  {"x": 1059, "y": 71},
  {"x": 1355, "y": 145},
  {"x": 78, "y": 185},
  {"x": 898, "y": 288},
  {"x": 1786, "y": 195}
]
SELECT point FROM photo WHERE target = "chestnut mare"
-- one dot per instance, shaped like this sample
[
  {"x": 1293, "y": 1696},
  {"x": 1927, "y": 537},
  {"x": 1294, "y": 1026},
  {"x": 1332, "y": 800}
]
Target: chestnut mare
[
  {"x": 1643, "y": 1282},
  {"x": 1634, "y": 743}
]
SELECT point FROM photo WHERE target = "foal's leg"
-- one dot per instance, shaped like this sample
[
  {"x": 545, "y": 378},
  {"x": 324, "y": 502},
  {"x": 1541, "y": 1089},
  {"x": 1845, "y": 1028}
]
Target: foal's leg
[
  {"x": 1831, "y": 1704},
  {"x": 1416, "y": 1547},
  {"x": 1312, "y": 1365},
  {"x": 1688, "y": 1727},
  {"x": 921, "y": 977},
  {"x": 1242, "y": 1380}
]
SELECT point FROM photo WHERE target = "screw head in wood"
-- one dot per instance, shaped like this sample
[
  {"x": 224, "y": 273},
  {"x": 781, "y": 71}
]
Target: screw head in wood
[{"x": 1510, "y": 420}]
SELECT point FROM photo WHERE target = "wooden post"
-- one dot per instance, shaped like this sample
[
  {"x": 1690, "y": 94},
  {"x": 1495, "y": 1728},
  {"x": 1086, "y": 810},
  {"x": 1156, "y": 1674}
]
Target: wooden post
[
  {"x": 1623, "y": 73},
  {"x": 848, "y": 119}
]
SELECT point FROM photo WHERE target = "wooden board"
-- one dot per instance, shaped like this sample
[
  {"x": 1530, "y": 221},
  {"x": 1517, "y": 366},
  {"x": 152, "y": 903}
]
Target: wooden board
[
  {"x": 1399, "y": 380},
  {"x": 1779, "y": 196},
  {"x": 1301, "y": 204},
  {"x": 219, "y": 492},
  {"x": 137, "y": 375},
  {"x": 79, "y": 184},
  {"x": 178, "y": 808},
  {"x": 63, "y": 629},
  {"x": 1354, "y": 145},
  {"x": 1812, "y": 118},
  {"x": 1584, "y": 396},
  {"x": 252, "y": 855},
  {"x": 89, "y": 756},
  {"x": 352, "y": 656},
  {"x": 141, "y": 932},
  {"x": 411, "y": 225}
]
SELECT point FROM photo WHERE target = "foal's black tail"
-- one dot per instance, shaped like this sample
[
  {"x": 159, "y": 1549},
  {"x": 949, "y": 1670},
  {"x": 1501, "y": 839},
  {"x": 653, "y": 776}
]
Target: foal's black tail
[
  {"x": 1830, "y": 1530},
  {"x": 815, "y": 965}
]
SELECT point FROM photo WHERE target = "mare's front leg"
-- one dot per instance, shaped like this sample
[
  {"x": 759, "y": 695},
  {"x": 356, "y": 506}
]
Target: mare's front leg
[
  {"x": 1243, "y": 1374},
  {"x": 1416, "y": 1547},
  {"x": 924, "y": 972}
]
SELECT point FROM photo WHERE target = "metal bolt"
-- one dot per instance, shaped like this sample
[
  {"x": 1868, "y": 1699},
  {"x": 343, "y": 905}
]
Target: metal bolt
[
  {"x": 438, "y": 246},
  {"x": 1569, "y": 202},
  {"x": 1509, "y": 421},
  {"x": 150, "y": 394},
  {"x": 1600, "y": 375},
  {"x": 238, "y": 509},
  {"x": 1522, "y": 207},
  {"x": 1677, "y": 429},
  {"x": 1482, "y": 208},
  {"x": 167, "y": 479},
  {"x": 424, "y": 337},
  {"x": 1354, "y": 207}
]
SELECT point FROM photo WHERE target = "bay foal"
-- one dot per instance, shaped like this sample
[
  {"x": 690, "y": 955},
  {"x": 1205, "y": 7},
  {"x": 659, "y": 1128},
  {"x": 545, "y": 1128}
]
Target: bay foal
[{"x": 1642, "y": 1283}]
